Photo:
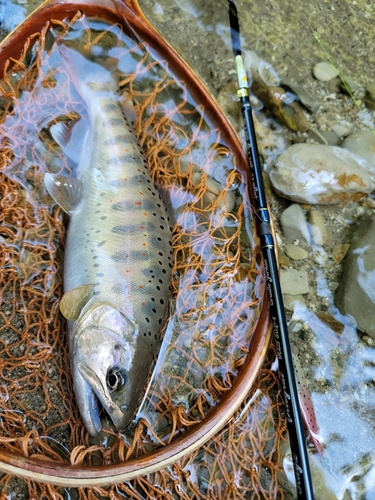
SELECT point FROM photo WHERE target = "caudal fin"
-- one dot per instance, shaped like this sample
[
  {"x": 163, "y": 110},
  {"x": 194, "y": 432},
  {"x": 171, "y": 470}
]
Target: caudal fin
[{"x": 89, "y": 77}]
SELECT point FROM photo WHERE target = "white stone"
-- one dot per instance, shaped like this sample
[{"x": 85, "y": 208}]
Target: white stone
[
  {"x": 294, "y": 224},
  {"x": 324, "y": 71},
  {"x": 320, "y": 174}
]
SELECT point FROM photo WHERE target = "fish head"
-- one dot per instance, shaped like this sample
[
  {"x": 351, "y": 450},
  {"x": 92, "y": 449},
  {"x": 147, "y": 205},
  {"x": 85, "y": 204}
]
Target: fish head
[{"x": 106, "y": 366}]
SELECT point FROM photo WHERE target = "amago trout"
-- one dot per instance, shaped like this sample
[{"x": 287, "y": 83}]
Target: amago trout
[{"x": 118, "y": 254}]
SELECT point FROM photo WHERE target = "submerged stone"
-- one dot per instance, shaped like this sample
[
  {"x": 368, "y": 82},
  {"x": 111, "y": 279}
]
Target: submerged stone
[
  {"x": 317, "y": 227},
  {"x": 320, "y": 174},
  {"x": 356, "y": 292},
  {"x": 294, "y": 282},
  {"x": 324, "y": 71},
  {"x": 294, "y": 224},
  {"x": 362, "y": 144}
]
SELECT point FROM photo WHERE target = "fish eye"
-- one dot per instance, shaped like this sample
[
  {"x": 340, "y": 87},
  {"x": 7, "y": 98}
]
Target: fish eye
[{"x": 116, "y": 378}]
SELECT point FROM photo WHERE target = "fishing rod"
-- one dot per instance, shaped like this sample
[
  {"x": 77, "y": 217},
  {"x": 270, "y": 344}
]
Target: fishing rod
[{"x": 280, "y": 331}]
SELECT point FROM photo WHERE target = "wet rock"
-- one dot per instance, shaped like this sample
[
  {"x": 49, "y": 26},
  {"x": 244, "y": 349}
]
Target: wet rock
[
  {"x": 323, "y": 136},
  {"x": 320, "y": 174},
  {"x": 324, "y": 71},
  {"x": 279, "y": 103},
  {"x": 334, "y": 85},
  {"x": 282, "y": 258},
  {"x": 305, "y": 98},
  {"x": 339, "y": 252},
  {"x": 290, "y": 300},
  {"x": 356, "y": 292},
  {"x": 362, "y": 144},
  {"x": 370, "y": 95},
  {"x": 228, "y": 101},
  {"x": 294, "y": 282},
  {"x": 317, "y": 227},
  {"x": 293, "y": 224},
  {"x": 295, "y": 252},
  {"x": 352, "y": 87},
  {"x": 342, "y": 129}
]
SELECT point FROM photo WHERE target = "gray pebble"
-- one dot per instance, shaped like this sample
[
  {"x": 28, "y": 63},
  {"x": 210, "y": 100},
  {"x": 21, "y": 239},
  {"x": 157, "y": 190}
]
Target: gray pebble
[
  {"x": 293, "y": 224},
  {"x": 342, "y": 129},
  {"x": 370, "y": 95},
  {"x": 295, "y": 252},
  {"x": 324, "y": 71},
  {"x": 362, "y": 144},
  {"x": 356, "y": 292},
  {"x": 294, "y": 282},
  {"x": 323, "y": 136},
  {"x": 305, "y": 98},
  {"x": 290, "y": 300},
  {"x": 317, "y": 227}
]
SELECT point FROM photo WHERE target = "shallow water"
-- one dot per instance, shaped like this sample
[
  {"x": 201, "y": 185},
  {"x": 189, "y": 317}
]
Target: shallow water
[{"x": 339, "y": 367}]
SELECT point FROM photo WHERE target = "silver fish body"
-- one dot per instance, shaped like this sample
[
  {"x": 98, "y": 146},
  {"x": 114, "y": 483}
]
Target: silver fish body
[{"x": 118, "y": 257}]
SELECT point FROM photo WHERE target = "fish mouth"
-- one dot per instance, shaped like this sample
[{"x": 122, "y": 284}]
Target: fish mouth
[
  {"x": 94, "y": 393},
  {"x": 88, "y": 404}
]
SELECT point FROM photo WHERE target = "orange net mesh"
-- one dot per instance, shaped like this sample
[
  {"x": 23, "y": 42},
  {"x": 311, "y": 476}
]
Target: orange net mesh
[{"x": 216, "y": 290}]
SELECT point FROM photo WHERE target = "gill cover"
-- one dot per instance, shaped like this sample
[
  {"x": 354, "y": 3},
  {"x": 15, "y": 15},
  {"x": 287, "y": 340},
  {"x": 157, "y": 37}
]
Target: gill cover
[{"x": 106, "y": 365}]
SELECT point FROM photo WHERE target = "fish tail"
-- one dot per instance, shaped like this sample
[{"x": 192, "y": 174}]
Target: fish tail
[{"x": 89, "y": 77}]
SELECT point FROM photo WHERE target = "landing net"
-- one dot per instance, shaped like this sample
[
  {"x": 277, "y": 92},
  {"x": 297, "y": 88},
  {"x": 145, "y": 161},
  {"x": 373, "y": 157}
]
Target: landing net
[{"x": 217, "y": 286}]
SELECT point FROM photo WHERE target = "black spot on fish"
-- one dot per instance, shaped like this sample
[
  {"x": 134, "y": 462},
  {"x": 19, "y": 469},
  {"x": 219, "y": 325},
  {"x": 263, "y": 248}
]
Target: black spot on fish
[
  {"x": 148, "y": 321},
  {"x": 161, "y": 301},
  {"x": 101, "y": 243},
  {"x": 96, "y": 265},
  {"x": 163, "y": 271},
  {"x": 152, "y": 298},
  {"x": 160, "y": 320},
  {"x": 154, "y": 311},
  {"x": 103, "y": 217},
  {"x": 100, "y": 275}
]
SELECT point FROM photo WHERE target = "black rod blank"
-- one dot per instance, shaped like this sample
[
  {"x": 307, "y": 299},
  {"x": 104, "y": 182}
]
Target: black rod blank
[{"x": 280, "y": 331}]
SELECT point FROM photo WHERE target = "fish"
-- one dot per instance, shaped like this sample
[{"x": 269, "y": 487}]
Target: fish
[{"x": 118, "y": 251}]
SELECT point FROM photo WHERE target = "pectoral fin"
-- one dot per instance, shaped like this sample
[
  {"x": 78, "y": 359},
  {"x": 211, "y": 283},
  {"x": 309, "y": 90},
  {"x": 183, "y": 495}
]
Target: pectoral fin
[
  {"x": 66, "y": 191},
  {"x": 75, "y": 300},
  {"x": 70, "y": 137}
]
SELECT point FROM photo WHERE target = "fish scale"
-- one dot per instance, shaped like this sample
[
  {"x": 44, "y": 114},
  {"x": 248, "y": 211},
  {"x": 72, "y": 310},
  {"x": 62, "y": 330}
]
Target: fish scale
[{"x": 118, "y": 256}]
